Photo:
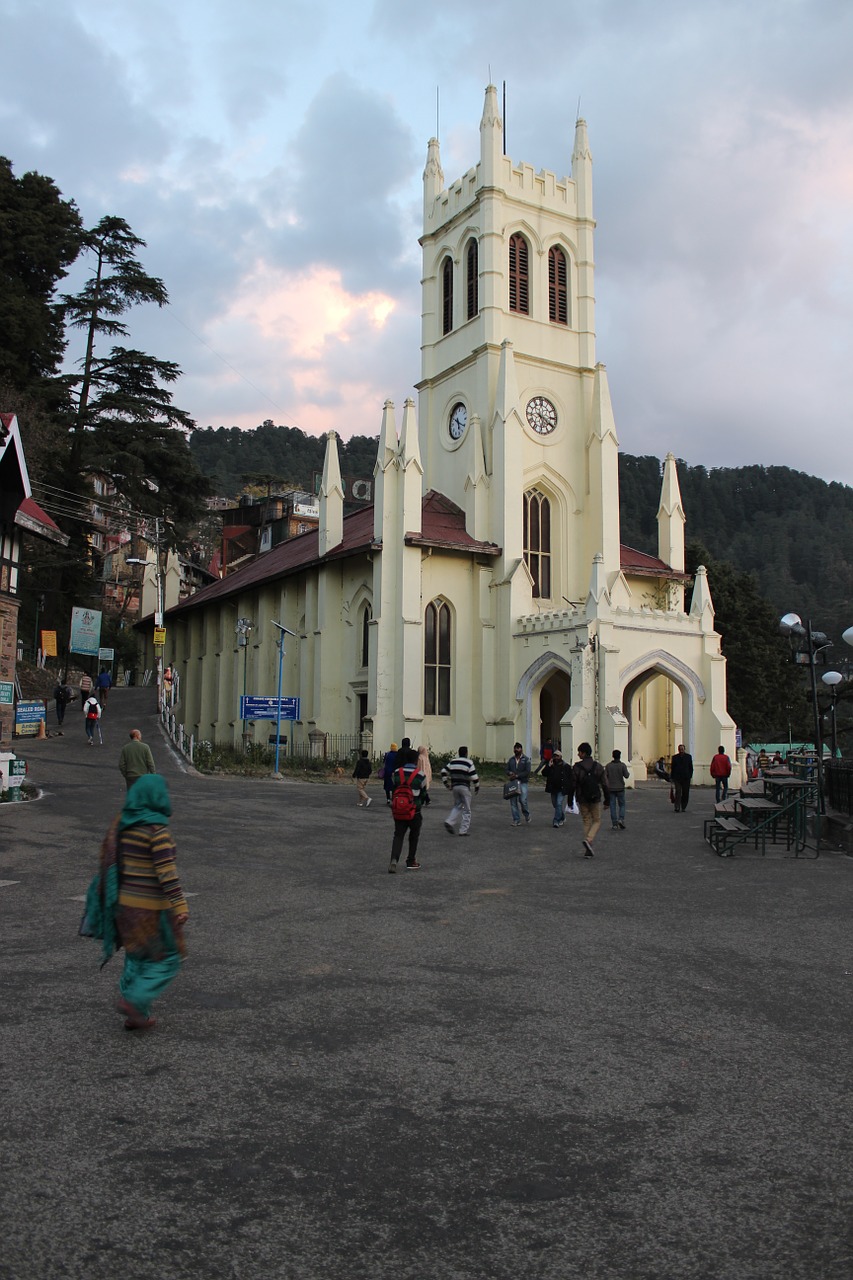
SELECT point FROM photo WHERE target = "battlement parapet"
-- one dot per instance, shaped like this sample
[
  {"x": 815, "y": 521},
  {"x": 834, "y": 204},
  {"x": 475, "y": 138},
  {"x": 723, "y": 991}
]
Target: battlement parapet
[{"x": 544, "y": 189}]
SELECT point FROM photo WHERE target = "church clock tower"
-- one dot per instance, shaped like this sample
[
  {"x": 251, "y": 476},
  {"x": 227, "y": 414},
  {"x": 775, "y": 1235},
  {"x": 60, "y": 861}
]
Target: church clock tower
[{"x": 515, "y": 418}]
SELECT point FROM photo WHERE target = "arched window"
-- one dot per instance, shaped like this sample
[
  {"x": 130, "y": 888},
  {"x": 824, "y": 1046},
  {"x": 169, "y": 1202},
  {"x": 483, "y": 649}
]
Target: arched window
[
  {"x": 472, "y": 279},
  {"x": 447, "y": 295},
  {"x": 519, "y": 288},
  {"x": 537, "y": 541},
  {"x": 365, "y": 636},
  {"x": 437, "y": 659},
  {"x": 558, "y": 296}
]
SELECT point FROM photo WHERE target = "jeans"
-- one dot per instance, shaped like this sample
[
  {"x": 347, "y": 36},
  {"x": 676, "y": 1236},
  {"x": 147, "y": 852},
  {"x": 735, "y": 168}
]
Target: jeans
[
  {"x": 722, "y": 785},
  {"x": 558, "y": 798},
  {"x": 518, "y": 804},
  {"x": 617, "y": 807}
]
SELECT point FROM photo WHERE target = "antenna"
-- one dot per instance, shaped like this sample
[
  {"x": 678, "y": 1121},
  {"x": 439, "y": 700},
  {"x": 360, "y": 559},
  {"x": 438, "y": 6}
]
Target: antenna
[
  {"x": 281, "y": 628},
  {"x": 503, "y": 115},
  {"x": 578, "y": 116},
  {"x": 437, "y": 91}
]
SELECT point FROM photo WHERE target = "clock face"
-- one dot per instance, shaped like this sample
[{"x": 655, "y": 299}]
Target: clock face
[
  {"x": 458, "y": 421},
  {"x": 541, "y": 415}
]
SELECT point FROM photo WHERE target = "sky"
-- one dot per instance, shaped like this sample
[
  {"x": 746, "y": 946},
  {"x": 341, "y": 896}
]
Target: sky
[{"x": 270, "y": 154}]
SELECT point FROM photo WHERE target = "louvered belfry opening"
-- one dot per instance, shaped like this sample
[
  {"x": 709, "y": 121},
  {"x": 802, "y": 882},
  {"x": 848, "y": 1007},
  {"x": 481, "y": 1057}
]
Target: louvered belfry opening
[
  {"x": 519, "y": 285},
  {"x": 472, "y": 268},
  {"x": 558, "y": 297},
  {"x": 447, "y": 295}
]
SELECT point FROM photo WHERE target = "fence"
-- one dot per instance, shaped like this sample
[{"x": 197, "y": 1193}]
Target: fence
[
  {"x": 185, "y": 742},
  {"x": 336, "y": 748},
  {"x": 838, "y": 782}
]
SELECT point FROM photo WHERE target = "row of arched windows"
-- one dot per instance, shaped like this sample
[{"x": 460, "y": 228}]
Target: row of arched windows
[{"x": 519, "y": 282}]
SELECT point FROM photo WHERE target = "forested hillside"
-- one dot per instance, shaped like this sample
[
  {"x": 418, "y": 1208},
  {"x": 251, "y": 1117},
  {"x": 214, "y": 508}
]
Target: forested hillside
[{"x": 793, "y": 530}]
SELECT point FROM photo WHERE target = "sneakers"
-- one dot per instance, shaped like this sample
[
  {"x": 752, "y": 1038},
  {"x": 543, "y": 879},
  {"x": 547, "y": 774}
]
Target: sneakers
[
  {"x": 413, "y": 866},
  {"x": 516, "y": 824},
  {"x": 587, "y": 850},
  {"x": 621, "y": 826},
  {"x": 368, "y": 802},
  {"x": 527, "y": 818},
  {"x": 448, "y": 828},
  {"x": 392, "y": 867},
  {"x": 615, "y": 826}
]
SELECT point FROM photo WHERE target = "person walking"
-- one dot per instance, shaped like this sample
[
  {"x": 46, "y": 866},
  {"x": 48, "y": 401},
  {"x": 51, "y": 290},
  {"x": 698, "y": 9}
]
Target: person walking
[
  {"x": 721, "y": 771},
  {"x": 135, "y": 759},
  {"x": 590, "y": 784},
  {"x": 559, "y": 785},
  {"x": 518, "y": 770},
  {"x": 460, "y": 776},
  {"x": 387, "y": 771},
  {"x": 85, "y": 688},
  {"x": 680, "y": 772},
  {"x": 103, "y": 684},
  {"x": 425, "y": 767},
  {"x": 92, "y": 716},
  {"x": 61, "y": 698},
  {"x": 615, "y": 774},
  {"x": 361, "y": 773},
  {"x": 138, "y": 899},
  {"x": 406, "y": 804}
]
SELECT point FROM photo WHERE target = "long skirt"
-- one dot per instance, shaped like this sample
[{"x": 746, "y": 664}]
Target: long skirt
[{"x": 152, "y": 956}]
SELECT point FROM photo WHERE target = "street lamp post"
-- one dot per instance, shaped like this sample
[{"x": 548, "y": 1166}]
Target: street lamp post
[
  {"x": 244, "y": 629},
  {"x": 832, "y": 679},
  {"x": 791, "y": 625},
  {"x": 283, "y": 631}
]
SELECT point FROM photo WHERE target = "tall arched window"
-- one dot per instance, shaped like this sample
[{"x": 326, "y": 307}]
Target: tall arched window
[
  {"x": 472, "y": 279},
  {"x": 537, "y": 541},
  {"x": 558, "y": 296},
  {"x": 365, "y": 636},
  {"x": 447, "y": 295},
  {"x": 437, "y": 659},
  {"x": 519, "y": 287}
]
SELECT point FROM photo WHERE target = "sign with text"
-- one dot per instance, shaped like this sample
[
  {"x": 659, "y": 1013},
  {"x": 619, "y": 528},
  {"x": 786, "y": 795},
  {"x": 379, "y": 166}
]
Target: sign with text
[
  {"x": 106, "y": 655},
  {"x": 7, "y": 693},
  {"x": 28, "y": 716},
  {"x": 253, "y": 707},
  {"x": 48, "y": 644},
  {"x": 159, "y": 635},
  {"x": 85, "y": 631}
]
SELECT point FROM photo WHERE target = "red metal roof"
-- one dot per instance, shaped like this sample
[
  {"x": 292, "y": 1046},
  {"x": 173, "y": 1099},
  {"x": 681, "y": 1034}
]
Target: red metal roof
[
  {"x": 30, "y": 516},
  {"x": 443, "y": 525},
  {"x": 633, "y": 561}
]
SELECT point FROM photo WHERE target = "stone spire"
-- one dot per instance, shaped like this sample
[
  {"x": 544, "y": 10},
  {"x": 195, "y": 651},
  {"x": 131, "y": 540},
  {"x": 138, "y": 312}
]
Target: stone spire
[
  {"x": 331, "y": 498},
  {"x": 433, "y": 174},
  {"x": 671, "y": 517},
  {"x": 385, "y": 475},
  {"x": 603, "y": 458},
  {"x": 491, "y": 139},
  {"x": 506, "y": 395},
  {"x": 582, "y": 170},
  {"x": 701, "y": 605},
  {"x": 476, "y": 483},
  {"x": 412, "y": 472}
]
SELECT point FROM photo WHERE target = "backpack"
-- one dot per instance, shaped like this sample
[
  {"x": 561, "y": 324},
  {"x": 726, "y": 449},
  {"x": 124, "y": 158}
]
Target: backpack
[
  {"x": 403, "y": 807},
  {"x": 91, "y": 710},
  {"x": 588, "y": 788}
]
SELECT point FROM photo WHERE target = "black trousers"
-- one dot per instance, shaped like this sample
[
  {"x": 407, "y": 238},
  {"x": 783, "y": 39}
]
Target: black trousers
[
  {"x": 401, "y": 826},
  {"x": 681, "y": 787}
]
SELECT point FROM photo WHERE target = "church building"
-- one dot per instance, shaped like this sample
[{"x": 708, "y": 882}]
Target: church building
[{"x": 485, "y": 597}]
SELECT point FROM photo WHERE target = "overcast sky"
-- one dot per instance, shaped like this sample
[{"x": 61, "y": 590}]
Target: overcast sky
[{"x": 270, "y": 153}]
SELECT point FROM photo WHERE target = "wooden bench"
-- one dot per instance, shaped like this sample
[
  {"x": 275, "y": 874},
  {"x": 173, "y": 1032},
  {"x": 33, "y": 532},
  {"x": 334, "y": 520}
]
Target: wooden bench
[{"x": 718, "y": 828}]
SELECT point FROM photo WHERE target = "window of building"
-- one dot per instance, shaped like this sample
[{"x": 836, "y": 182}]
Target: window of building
[
  {"x": 537, "y": 541},
  {"x": 365, "y": 636},
  {"x": 447, "y": 295},
  {"x": 558, "y": 296},
  {"x": 472, "y": 276},
  {"x": 519, "y": 287},
  {"x": 437, "y": 659}
]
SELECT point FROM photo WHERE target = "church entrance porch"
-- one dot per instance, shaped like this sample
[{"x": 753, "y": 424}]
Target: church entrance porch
[{"x": 555, "y": 698}]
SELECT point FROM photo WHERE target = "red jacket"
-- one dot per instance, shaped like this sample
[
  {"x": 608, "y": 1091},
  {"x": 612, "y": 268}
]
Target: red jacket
[{"x": 721, "y": 766}]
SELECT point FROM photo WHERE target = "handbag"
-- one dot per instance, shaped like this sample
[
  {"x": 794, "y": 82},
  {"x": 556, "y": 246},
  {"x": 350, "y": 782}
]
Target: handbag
[{"x": 512, "y": 788}]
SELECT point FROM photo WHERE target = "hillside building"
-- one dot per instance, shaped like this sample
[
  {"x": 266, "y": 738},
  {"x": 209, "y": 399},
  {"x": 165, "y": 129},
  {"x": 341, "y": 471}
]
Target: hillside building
[{"x": 485, "y": 596}]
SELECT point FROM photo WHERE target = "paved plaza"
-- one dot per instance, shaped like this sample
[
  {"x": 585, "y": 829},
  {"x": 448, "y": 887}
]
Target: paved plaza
[{"x": 512, "y": 1063}]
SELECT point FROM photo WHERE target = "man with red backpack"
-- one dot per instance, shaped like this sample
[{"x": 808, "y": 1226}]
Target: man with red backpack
[{"x": 407, "y": 796}]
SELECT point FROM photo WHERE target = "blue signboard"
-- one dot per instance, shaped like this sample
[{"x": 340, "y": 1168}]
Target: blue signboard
[
  {"x": 28, "y": 715},
  {"x": 85, "y": 631},
  {"x": 255, "y": 708}
]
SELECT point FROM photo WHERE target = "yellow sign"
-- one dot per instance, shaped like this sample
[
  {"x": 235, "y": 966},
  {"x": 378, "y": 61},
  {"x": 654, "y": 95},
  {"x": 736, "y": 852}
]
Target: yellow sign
[
  {"x": 48, "y": 644},
  {"x": 159, "y": 635}
]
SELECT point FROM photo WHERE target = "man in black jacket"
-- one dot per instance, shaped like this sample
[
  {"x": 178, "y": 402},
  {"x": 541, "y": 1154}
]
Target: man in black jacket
[
  {"x": 681, "y": 771},
  {"x": 559, "y": 784}
]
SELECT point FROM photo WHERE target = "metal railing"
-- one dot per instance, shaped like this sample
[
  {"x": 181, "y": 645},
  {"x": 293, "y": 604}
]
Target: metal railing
[{"x": 838, "y": 779}]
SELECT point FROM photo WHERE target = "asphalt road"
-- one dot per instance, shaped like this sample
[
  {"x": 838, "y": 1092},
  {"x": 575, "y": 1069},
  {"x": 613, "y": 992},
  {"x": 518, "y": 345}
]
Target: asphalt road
[{"x": 513, "y": 1063}]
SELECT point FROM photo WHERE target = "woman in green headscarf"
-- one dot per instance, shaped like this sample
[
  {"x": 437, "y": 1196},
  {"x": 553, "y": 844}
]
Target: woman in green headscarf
[{"x": 151, "y": 910}]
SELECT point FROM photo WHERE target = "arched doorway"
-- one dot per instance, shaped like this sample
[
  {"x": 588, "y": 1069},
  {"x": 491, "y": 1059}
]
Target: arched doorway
[
  {"x": 659, "y": 700},
  {"x": 545, "y": 692},
  {"x": 555, "y": 698}
]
